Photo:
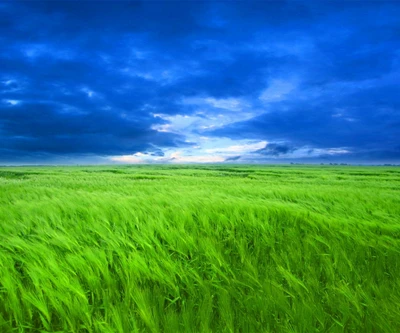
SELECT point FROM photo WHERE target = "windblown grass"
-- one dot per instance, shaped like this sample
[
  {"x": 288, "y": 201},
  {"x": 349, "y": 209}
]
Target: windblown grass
[{"x": 199, "y": 249}]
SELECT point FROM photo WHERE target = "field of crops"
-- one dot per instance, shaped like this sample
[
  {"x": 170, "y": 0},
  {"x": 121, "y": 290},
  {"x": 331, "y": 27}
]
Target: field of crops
[{"x": 200, "y": 249}]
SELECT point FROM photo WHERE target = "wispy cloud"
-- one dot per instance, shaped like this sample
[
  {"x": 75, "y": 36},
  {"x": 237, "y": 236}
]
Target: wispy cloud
[
  {"x": 11, "y": 101},
  {"x": 229, "y": 104},
  {"x": 277, "y": 91}
]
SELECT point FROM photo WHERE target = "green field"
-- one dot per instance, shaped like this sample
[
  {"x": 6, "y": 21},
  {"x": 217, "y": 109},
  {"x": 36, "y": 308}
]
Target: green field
[{"x": 200, "y": 249}]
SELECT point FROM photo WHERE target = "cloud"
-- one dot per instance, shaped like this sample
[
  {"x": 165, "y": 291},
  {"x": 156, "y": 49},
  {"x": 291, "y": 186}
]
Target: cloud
[
  {"x": 275, "y": 149},
  {"x": 230, "y": 104},
  {"x": 363, "y": 118},
  {"x": 276, "y": 91},
  {"x": 90, "y": 93},
  {"x": 238, "y": 148},
  {"x": 130, "y": 159},
  {"x": 233, "y": 158},
  {"x": 42, "y": 129},
  {"x": 11, "y": 101},
  {"x": 178, "y": 158},
  {"x": 159, "y": 78}
]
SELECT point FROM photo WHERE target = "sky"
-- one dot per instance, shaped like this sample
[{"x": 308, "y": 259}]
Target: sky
[{"x": 199, "y": 82}]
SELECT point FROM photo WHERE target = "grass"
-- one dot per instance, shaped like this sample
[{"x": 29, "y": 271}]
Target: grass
[{"x": 200, "y": 249}]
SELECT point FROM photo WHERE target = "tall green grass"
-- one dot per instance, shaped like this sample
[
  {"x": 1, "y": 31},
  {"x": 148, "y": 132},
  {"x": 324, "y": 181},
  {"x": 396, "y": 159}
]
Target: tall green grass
[{"x": 199, "y": 249}]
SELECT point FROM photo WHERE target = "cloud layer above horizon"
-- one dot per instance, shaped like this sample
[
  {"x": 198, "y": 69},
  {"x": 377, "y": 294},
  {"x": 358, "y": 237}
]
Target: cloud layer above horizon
[{"x": 199, "y": 82}]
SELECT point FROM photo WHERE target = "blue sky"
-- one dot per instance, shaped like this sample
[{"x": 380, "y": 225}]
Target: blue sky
[{"x": 213, "y": 81}]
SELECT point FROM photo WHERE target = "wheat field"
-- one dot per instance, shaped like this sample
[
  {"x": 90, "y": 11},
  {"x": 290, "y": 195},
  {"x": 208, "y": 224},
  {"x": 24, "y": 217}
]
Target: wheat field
[{"x": 199, "y": 248}]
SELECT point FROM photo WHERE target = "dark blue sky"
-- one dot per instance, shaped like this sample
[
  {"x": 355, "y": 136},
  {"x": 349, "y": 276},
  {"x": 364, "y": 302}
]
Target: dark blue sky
[{"x": 174, "y": 81}]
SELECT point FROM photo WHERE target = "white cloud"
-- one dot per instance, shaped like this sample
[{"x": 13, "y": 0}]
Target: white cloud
[
  {"x": 178, "y": 123},
  {"x": 316, "y": 152},
  {"x": 207, "y": 150},
  {"x": 205, "y": 117},
  {"x": 11, "y": 85},
  {"x": 277, "y": 91},
  {"x": 336, "y": 151},
  {"x": 230, "y": 104},
  {"x": 90, "y": 93},
  {"x": 238, "y": 149},
  {"x": 126, "y": 159},
  {"x": 8, "y": 82},
  {"x": 36, "y": 50},
  {"x": 11, "y": 101},
  {"x": 341, "y": 113},
  {"x": 178, "y": 158}
]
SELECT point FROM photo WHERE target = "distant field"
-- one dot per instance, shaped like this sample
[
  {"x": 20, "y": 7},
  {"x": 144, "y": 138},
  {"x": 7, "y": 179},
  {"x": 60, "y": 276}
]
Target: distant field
[{"x": 200, "y": 249}]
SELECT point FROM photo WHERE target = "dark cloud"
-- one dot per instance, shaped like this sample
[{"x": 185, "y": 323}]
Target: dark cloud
[
  {"x": 366, "y": 120},
  {"x": 233, "y": 158},
  {"x": 48, "y": 129},
  {"x": 275, "y": 149},
  {"x": 86, "y": 78},
  {"x": 158, "y": 153}
]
